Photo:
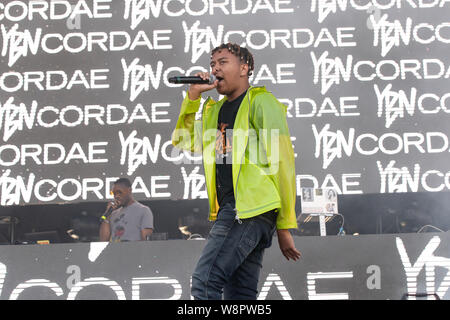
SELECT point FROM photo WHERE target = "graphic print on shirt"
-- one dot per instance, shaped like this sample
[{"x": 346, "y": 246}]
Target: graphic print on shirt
[
  {"x": 120, "y": 228},
  {"x": 223, "y": 143}
]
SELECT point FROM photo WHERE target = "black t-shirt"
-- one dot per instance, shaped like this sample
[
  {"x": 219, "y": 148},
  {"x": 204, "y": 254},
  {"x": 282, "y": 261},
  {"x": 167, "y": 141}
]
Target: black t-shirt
[{"x": 224, "y": 140}]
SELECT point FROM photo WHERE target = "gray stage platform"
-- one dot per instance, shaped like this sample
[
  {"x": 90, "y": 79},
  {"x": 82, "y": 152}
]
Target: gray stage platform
[{"x": 332, "y": 267}]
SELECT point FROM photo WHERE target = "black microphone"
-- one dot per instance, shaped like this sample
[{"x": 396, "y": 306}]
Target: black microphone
[
  {"x": 192, "y": 79},
  {"x": 106, "y": 214}
]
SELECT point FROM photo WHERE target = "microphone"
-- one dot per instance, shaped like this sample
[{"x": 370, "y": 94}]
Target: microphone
[
  {"x": 192, "y": 79},
  {"x": 106, "y": 214}
]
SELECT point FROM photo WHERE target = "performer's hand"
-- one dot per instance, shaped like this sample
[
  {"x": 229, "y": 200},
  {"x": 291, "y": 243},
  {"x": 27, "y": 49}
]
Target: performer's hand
[
  {"x": 112, "y": 205},
  {"x": 195, "y": 90},
  {"x": 287, "y": 246}
]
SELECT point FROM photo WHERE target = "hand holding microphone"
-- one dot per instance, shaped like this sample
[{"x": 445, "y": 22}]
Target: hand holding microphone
[
  {"x": 109, "y": 209},
  {"x": 200, "y": 82}
]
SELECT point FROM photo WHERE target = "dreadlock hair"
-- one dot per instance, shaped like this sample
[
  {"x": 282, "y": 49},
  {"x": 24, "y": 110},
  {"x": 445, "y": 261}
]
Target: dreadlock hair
[{"x": 242, "y": 53}]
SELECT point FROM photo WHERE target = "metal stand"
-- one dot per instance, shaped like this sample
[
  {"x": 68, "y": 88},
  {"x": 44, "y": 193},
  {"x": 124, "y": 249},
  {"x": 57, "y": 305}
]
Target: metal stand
[
  {"x": 322, "y": 224},
  {"x": 322, "y": 218}
]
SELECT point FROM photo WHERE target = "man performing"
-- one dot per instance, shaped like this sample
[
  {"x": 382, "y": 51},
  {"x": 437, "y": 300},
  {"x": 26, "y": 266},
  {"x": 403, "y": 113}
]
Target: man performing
[
  {"x": 250, "y": 175},
  {"x": 129, "y": 220}
]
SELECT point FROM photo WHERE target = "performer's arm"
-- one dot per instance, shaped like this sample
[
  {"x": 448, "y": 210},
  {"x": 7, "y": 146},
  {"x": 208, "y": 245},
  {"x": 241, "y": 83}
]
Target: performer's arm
[
  {"x": 270, "y": 114},
  {"x": 145, "y": 233},
  {"x": 187, "y": 133},
  {"x": 147, "y": 224},
  {"x": 105, "y": 231},
  {"x": 105, "y": 228}
]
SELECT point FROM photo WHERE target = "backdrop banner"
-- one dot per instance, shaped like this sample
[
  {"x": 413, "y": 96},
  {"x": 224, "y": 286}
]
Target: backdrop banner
[{"x": 85, "y": 96}]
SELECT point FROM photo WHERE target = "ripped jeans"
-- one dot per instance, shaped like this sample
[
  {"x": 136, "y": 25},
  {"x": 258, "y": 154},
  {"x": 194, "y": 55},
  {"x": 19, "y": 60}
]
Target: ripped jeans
[{"x": 231, "y": 260}]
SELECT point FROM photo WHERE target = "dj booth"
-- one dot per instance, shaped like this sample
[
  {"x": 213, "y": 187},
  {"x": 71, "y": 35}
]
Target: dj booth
[{"x": 361, "y": 267}]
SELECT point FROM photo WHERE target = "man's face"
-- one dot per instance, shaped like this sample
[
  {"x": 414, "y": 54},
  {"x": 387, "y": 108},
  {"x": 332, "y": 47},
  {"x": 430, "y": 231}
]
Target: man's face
[
  {"x": 230, "y": 72},
  {"x": 122, "y": 194}
]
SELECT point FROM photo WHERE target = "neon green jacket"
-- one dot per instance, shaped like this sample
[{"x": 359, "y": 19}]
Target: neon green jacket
[{"x": 262, "y": 154}]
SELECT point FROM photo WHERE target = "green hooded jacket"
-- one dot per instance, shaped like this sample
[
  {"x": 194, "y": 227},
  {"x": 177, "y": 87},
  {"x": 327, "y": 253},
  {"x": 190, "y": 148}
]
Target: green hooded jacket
[{"x": 263, "y": 163}]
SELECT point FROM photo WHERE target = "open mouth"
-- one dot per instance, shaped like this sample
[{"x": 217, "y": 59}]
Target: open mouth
[{"x": 219, "y": 78}]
